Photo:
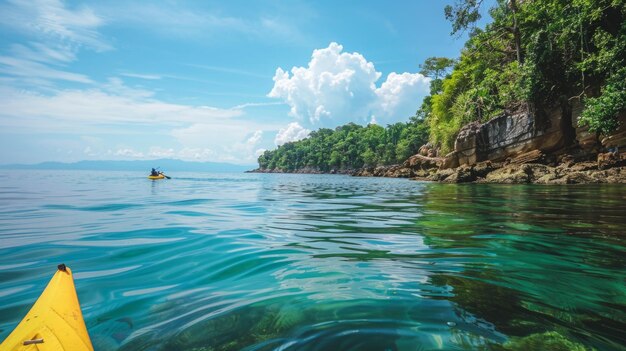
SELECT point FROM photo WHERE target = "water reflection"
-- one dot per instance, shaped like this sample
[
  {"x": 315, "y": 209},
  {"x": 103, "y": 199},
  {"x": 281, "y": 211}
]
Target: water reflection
[{"x": 552, "y": 257}]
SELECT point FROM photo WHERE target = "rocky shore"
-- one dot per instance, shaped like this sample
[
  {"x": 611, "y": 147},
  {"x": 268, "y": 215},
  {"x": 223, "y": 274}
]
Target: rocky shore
[
  {"x": 515, "y": 148},
  {"x": 524, "y": 147},
  {"x": 487, "y": 172}
]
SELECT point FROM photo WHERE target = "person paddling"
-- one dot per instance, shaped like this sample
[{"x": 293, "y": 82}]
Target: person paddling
[{"x": 154, "y": 172}]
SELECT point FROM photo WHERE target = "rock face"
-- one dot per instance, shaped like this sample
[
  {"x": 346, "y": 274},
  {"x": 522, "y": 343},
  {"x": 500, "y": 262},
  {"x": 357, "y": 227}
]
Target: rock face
[
  {"x": 505, "y": 137},
  {"x": 428, "y": 150},
  {"x": 552, "y": 134},
  {"x": 423, "y": 162},
  {"x": 526, "y": 148}
]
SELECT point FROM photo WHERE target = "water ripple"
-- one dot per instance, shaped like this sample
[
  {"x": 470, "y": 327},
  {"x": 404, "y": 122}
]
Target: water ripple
[{"x": 308, "y": 262}]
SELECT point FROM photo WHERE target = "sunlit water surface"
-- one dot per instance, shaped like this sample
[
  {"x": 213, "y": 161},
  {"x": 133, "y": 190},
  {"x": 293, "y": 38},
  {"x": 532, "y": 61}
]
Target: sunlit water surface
[{"x": 313, "y": 262}]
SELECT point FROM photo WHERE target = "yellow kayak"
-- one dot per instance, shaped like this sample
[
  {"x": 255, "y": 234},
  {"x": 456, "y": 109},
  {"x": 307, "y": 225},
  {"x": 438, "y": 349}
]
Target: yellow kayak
[
  {"x": 160, "y": 176},
  {"x": 55, "y": 322}
]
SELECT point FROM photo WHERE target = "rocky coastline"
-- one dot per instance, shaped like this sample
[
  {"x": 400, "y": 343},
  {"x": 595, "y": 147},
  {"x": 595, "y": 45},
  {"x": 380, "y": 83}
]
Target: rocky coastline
[
  {"x": 487, "y": 172},
  {"x": 514, "y": 148},
  {"x": 494, "y": 173}
]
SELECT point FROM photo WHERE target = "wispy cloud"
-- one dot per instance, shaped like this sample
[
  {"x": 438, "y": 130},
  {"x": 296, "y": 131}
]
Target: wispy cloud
[
  {"x": 28, "y": 69},
  {"x": 112, "y": 103},
  {"x": 118, "y": 111},
  {"x": 55, "y": 35},
  {"x": 129, "y": 153},
  {"x": 229, "y": 142},
  {"x": 142, "y": 76},
  {"x": 199, "y": 22},
  {"x": 173, "y": 20},
  {"x": 52, "y": 20},
  {"x": 258, "y": 104},
  {"x": 45, "y": 94},
  {"x": 34, "y": 51},
  {"x": 229, "y": 70},
  {"x": 278, "y": 28}
]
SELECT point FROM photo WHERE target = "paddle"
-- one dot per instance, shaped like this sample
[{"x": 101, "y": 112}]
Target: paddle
[{"x": 161, "y": 173}]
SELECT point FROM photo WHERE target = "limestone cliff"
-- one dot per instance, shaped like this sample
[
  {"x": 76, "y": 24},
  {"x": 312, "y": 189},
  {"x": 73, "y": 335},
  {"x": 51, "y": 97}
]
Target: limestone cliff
[{"x": 525, "y": 137}]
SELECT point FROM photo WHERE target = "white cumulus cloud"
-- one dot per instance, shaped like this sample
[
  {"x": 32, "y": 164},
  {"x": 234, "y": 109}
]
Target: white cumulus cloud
[
  {"x": 401, "y": 92},
  {"x": 293, "y": 132},
  {"x": 338, "y": 87}
]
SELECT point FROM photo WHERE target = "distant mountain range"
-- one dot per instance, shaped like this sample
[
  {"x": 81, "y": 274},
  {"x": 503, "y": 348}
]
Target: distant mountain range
[{"x": 166, "y": 165}]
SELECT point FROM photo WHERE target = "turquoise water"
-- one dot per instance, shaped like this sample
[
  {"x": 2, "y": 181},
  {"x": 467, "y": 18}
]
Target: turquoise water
[{"x": 314, "y": 262}]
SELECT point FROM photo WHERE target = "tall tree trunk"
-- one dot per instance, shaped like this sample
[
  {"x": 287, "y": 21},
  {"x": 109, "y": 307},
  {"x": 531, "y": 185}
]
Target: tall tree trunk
[{"x": 516, "y": 33}]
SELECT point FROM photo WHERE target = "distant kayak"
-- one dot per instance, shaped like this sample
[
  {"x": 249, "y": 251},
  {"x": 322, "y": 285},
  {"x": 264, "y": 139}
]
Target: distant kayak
[
  {"x": 55, "y": 322},
  {"x": 154, "y": 175}
]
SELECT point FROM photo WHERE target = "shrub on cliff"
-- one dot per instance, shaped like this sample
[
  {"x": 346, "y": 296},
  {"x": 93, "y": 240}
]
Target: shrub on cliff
[
  {"x": 600, "y": 112},
  {"x": 549, "y": 341}
]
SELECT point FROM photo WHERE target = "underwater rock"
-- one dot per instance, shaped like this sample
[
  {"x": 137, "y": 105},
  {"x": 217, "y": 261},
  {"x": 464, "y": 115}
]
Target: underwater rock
[
  {"x": 551, "y": 341},
  {"x": 530, "y": 173}
]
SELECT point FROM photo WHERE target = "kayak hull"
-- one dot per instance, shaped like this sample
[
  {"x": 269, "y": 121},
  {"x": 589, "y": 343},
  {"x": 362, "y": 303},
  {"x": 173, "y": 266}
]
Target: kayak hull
[
  {"x": 160, "y": 176},
  {"x": 55, "y": 322}
]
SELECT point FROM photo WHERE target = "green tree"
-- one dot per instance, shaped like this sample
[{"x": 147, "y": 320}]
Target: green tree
[
  {"x": 436, "y": 67},
  {"x": 463, "y": 14}
]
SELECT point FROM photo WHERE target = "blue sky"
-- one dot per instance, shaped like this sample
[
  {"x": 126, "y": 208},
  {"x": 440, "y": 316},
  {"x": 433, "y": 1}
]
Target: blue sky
[{"x": 206, "y": 80}]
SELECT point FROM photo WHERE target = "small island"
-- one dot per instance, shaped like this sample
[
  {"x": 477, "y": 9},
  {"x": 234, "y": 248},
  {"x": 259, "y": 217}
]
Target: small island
[{"x": 537, "y": 96}]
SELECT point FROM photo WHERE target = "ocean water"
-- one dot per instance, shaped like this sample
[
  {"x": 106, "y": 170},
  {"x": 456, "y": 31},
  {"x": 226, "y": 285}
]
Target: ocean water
[{"x": 318, "y": 262}]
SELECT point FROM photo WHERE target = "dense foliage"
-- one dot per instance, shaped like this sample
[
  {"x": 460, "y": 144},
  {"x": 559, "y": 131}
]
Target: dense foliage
[
  {"x": 599, "y": 111},
  {"x": 534, "y": 54},
  {"x": 349, "y": 147}
]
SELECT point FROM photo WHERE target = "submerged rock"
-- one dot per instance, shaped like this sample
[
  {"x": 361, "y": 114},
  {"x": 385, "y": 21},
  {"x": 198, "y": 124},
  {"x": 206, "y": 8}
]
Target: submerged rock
[
  {"x": 461, "y": 175},
  {"x": 392, "y": 171},
  {"x": 530, "y": 173},
  {"x": 519, "y": 174},
  {"x": 551, "y": 341}
]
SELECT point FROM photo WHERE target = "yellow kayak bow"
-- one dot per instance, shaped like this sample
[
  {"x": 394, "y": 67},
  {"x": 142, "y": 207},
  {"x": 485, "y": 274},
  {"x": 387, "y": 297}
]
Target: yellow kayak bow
[{"x": 55, "y": 322}]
